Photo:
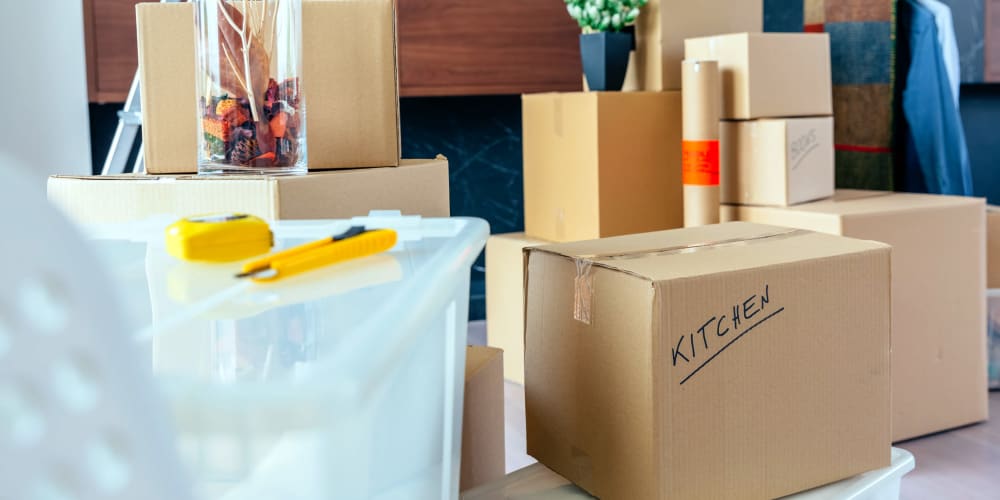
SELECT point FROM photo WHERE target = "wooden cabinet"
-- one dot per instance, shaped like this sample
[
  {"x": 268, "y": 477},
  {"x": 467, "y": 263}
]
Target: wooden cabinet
[
  {"x": 446, "y": 47},
  {"x": 111, "y": 48},
  {"x": 463, "y": 47}
]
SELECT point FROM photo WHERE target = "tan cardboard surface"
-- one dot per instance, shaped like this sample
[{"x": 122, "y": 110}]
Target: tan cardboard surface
[
  {"x": 664, "y": 24},
  {"x": 505, "y": 299},
  {"x": 660, "y": 391},
  {"x": 770, "y": 75},
  {"x": 777, "y": 161},
  {"x": 993, "y": 247},
  {"x": 416, "y": 187},
  {"x": 483, "y": 418},
  {"x": 351, "y": 92},
  {"x": 938, "y": 269},
  {"x": 587, "y": 176}
]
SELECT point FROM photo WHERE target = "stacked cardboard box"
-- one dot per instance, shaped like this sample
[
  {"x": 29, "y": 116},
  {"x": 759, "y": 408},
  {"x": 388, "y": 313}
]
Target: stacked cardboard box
[
  {"x": 776, "y": 138},
  {"x": 353, "y": 129},
  {"x": 938, "y": 287},
  {"x": 596, "y": 164}
]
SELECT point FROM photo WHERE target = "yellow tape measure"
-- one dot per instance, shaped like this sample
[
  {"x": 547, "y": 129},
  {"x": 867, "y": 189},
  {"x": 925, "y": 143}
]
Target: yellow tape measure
[{"x": 219, "y": 238}]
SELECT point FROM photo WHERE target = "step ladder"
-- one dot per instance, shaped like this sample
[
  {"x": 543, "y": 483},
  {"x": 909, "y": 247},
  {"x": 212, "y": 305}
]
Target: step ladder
[{"x": 127, "y": 133}]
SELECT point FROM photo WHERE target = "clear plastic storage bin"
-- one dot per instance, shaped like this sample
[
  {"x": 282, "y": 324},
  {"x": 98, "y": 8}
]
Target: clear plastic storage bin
[{"x": 342, "y": 383}]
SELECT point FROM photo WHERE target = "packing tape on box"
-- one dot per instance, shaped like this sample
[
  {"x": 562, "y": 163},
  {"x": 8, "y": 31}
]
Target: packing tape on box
[{"x": 583, "y": 283}]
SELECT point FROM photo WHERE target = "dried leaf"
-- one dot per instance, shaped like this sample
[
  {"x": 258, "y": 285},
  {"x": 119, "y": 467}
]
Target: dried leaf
[{"x": 245, "y": 63}]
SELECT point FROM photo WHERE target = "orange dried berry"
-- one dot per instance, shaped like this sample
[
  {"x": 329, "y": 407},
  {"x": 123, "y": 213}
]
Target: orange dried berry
[{"x": 218, "y": 128}]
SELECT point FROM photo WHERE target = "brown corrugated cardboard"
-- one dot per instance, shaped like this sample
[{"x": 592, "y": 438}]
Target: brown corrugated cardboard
[
  {"x": 417, "y": 187},
  {"x": 993, "y": 247},
  {"x": 770, "y": 75},
  {"x": 723, "y": 361},
  {"x": 777, "y": 161},
  {"x": 938, "y": 307},
  {"x": 483, "y": 418},
  {"x": 601, "y": 164},
  {"x": 664, "y": 24},
  {"x": 505, "y": 299},
  {"x": 349, "y": 61}
]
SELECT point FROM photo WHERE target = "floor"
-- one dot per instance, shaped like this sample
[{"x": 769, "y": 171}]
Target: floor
[{"x": 960, "y": 464}]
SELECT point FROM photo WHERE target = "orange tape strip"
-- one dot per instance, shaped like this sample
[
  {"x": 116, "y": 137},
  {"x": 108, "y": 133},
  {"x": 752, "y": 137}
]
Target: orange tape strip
[{"x": 700, "y": 163}]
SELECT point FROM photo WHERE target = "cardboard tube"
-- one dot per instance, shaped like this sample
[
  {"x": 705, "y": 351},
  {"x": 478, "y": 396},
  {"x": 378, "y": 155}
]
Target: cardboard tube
[{"x": 702, "y": 102}]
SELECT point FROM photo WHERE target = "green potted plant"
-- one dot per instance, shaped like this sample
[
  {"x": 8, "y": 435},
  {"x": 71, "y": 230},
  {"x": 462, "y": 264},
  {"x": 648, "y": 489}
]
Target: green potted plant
[{"x": 604, "y": 46}]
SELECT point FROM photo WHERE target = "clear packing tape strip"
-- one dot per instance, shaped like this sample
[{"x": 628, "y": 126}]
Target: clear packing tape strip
[{"x": 583, "y": 284}]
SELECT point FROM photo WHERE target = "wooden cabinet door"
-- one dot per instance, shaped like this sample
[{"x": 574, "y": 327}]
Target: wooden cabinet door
[
  {"x": 464, "y": 47},
  {"x": 111, "y": 48}
]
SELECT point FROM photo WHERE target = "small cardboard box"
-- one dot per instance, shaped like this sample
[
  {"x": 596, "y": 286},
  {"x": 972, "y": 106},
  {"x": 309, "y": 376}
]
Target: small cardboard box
[
  {"x": 417, "y": 187},
  {"x": 938, "y": 295},
  {"x": 724, "y": 361},
  {"x": 349, "y": 77},
  {"x": 601, "y": 164},
  {"x": 770, "y": 75},
  {"x": 505, "y": 299},
  {"x": 992, "y": 247},
  {"x": 664, "y": 24},
  {"x": 483, "y": 442},
  {"x": 782, "y": 161}
]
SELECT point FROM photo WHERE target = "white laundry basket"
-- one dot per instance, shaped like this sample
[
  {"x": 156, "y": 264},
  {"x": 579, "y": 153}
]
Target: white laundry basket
[{"x": 344, "y": 383}]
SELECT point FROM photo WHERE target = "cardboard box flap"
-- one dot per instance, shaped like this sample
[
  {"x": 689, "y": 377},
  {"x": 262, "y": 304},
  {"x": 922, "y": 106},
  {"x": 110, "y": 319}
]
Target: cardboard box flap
[{"x": 677, "y": 254}]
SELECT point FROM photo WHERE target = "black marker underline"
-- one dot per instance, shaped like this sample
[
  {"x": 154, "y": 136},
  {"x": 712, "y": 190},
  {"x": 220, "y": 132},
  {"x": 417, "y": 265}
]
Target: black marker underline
[{"x": 709, "y": 360}]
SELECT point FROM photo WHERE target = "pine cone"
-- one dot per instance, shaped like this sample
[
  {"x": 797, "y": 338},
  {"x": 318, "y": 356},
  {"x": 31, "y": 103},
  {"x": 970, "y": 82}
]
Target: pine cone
[{"x": 245, "y": 150}]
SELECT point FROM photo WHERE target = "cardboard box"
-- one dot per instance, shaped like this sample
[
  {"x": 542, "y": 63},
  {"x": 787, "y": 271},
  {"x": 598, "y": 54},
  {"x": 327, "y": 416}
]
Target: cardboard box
[
  {"x": 724, "y": 361},
  {"x": 993, "y": 247},
  {"x": 938, "y": 304},
  {"x": 483, "y": 442},
  {"x": 417, "y": 187},
  {"x": 349, "y": 77},
  {"x": 601, "y": 164},
  {"x": 664, "y": 24},
  {"x": 770, "y": 75},
  {"x": 505, "y": 299},
  {"x": 781, "y": 161}
]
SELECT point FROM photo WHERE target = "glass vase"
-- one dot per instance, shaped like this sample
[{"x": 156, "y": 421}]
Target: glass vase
[{"x": 251, "y": 106}]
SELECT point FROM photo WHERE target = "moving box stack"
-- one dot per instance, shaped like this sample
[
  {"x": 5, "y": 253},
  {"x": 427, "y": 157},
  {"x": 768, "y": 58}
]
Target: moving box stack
[
  {"x": 756, "y": 358},
  {"x": 353, "y": 130}
]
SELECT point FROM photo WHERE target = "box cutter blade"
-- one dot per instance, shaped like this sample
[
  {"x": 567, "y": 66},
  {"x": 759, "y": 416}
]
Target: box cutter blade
[{"x": 354, "y": 243}]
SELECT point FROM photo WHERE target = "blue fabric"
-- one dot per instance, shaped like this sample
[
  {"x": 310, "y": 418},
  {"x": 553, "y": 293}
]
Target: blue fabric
[
  {"x": 784, "y": 15},
  {"x": 937, "y": 159},
  {"x": 859, "y": 52}
]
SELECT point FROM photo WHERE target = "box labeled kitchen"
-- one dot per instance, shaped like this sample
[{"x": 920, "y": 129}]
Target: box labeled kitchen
[
  {"x": 769, "y": 75},
  {"x": 352, "y": 90},
  {"x": 708, "y": 362},
  {"x": 781, "y": 161},
  {"x": 505, "y": 299},
  {"x": 586, "y": 175},
  {"x": 416, "y": 187},
  {"x": 938, "y": 295},
  {"x": 664, "y": 24}
]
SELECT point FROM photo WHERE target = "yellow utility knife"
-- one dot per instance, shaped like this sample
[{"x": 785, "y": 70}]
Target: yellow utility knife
[{"x": 355, "y": 243}]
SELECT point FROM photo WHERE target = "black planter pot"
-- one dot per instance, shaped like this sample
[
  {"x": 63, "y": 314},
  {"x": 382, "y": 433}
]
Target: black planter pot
[{"x": 605, "y": 58}]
